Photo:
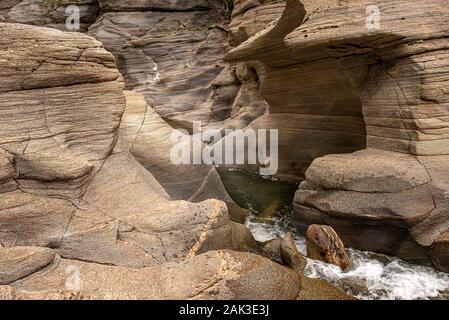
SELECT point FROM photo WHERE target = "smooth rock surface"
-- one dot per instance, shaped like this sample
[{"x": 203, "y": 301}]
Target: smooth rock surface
[
  {"x": 19, "y": 262},
  {"x": 214, "y": 275},
  {"x": 77, "y": 190}
]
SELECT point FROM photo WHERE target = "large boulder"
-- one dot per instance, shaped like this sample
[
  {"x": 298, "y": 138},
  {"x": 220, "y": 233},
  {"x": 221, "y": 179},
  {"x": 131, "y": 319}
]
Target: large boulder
[{"x": 324, "y": 244}]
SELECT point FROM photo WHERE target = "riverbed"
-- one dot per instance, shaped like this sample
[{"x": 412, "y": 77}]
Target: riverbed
[{"x": 373, "y": 276}]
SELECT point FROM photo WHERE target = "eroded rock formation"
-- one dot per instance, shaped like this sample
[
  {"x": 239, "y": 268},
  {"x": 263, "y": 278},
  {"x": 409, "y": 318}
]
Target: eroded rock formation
[
  {"x": 169, "y": 50},
  {"x": 343, "y": 87},
  {"x": 361, "y": 113},
  {"x": 70, "y": 184}
]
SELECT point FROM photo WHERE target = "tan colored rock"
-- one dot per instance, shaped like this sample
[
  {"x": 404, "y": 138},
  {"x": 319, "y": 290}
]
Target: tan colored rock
[
  {"x": 214, "y": 275},
  {"x": 167, "y": 5},
  {"x": 324, "y": 244},
  {"x": 361, "y": 172},
  {"x": 272, "y": 249},
  {"x": 290, "y": 255},
  {"x": 7, "y": 172},
  {"x": 362, "y": 115},
  {"x": 252, "y": 16},
  {"x": 242, "y": 238},
  {"x": 19, "y": 262},
  {"x": 74, "y": 188},
  {"x": 148, "y": 137},
  {"x": 317, "y": 289},
  {"x": 70, "y": 182},
  {"x": 172, "y": 57}
]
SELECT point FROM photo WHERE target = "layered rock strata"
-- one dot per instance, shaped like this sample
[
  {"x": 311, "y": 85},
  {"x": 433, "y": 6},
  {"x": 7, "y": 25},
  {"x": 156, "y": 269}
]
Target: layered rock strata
[
  {"x": 345, "y": 86},
  {"x": 171, "y": 51},
  {"x": 70, "y": 184}
]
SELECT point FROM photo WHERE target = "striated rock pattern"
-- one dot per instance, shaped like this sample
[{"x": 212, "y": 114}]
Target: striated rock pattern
[
  {"x": 333, "y": 86},
  {"x": 362, "y": 114},
  {"x": 171, "y": 51},
  {"x": 214, "y": 275},
  {"x": 60, "y": 116},
  {"x": 49, "y": 13},
  {"x": 148, "y": 137},
  {"x": 324, "y": 244},
  {"x": 80, "y": 217}
]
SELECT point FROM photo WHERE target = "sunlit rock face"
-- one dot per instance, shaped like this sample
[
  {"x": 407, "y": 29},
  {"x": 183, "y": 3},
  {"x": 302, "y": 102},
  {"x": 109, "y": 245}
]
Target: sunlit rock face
[{"x": 341, "y": 87}]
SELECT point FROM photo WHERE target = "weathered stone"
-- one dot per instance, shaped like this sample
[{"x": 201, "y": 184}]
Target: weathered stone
[
  {"x": 272, "y": 249},
  {"x": 324, "y": 244},
  {"x": 440, "y": 253},
  {"x": 172, "y": 58},
  {"x": 214, "y": 275},
  {"x": 317, "y": 289},
  {"x": 96, "y": 185},
  {"x": 290, "y": 255},
  {"x": 345, "y": 87},
  {"x": 77, "y": 190},
  {"x": 52, "y": 13},
  {"x": 7, "y": 172},
  {"x": 18, "y": 262},
  {"x": 147, "y": 136},
  {"x": 242, "y": 238},
  {"x": 167, "y": 5}
]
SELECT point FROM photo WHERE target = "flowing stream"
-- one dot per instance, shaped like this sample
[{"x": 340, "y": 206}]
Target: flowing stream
[{"x": 374, "y": 276}]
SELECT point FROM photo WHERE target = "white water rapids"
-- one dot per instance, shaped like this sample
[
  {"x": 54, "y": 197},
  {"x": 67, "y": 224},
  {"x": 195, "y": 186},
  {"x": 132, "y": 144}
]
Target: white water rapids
[{"x": 373, "y": 276}]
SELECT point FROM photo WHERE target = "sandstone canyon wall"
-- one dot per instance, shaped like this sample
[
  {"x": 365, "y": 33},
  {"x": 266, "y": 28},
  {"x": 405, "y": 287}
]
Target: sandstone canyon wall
[
  {"x": 344, "y": 88},
  {"x": 73, "y": 196},
  {"x": 362, "y": 119}
]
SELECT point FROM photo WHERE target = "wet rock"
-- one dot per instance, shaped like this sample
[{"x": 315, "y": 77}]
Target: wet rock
[
  {"x": 290, "y": 255},
  {"x": 440, "y": 253},
  {"x": 356, "y": 286},
  {"x": 323, "y": 244}
]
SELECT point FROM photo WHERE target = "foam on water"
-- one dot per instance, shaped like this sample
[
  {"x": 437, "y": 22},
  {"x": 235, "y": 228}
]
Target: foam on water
[{"x": 373, "y": 276}]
